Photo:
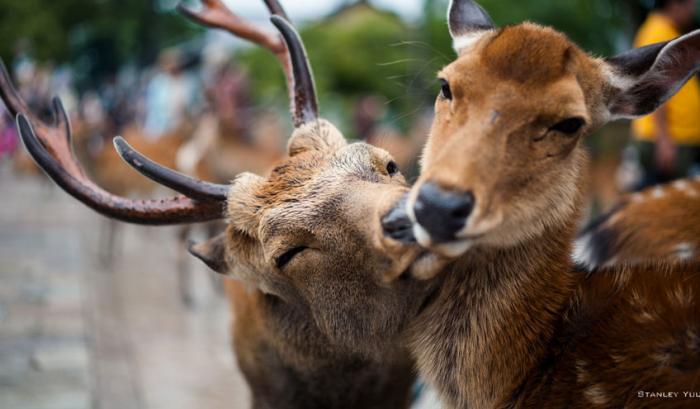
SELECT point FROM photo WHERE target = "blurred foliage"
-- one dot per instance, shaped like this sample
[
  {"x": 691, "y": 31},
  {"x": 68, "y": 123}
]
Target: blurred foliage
[
  {"x": 356, "y": 51},
  {"x": 599, "y": 26},
  {"x": 361, "y": 50},
  {"x": 97, "y": 37}
]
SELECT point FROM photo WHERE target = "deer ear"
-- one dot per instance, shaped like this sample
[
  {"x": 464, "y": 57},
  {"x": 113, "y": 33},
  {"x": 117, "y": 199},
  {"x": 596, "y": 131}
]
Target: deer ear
[
  {"x": 243, "y": 203},
  {"x": 649, "y": 76},
  {"x": 212, "y": 252},
  {"x": 467, "y": 22},
  {"x": 318, "y": 135}
]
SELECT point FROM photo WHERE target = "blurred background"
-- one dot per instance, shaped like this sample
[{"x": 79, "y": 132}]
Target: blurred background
[{"x": 96, "y": 314}]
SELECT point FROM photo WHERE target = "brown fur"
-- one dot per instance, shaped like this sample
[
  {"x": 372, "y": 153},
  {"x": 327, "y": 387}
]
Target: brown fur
[
  {"x": 514, "y": 323},
  {"x": 323, "y": 331},
  {"x": 659, "y": 223}
]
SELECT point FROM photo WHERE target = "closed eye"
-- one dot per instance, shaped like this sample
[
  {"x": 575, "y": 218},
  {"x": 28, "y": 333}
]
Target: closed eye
[{"x": 286, "y": 257}]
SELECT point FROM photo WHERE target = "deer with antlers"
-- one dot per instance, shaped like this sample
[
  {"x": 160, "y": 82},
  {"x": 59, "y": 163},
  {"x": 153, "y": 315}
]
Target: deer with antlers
[
  {"x": 329, "y": 294},
  {"x": 658, "y": 223},
  {"x": 514, "y": 323}
]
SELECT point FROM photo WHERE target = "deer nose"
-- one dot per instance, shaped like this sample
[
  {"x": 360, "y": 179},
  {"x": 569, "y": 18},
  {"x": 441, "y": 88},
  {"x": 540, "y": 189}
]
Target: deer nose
[
  {"x": 397, "y": 225},
  {"x": 442, "y": 213}
]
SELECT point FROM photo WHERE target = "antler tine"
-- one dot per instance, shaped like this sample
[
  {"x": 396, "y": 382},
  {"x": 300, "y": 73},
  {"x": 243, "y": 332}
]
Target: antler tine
[
  {"x": 174, "y": 210},
  {"x": 9, "y": 93},
  {"x": 16, "y": 105},
  {"x": 216, "y": 14},
  {"x": 276, "y": 9},
  {"x": 186, "y": 185},
  {"x": 51, "y": 149},
  {"x": 305, "y": 106},
  {"x": 56, "y": 137}
]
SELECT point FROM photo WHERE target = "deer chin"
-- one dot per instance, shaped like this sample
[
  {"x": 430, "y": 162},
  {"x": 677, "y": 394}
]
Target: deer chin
[
  {"x": 450, "y": 249},
  {"x": 428, "y": 265}
]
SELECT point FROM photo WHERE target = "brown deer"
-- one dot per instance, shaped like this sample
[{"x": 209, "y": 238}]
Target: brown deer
[
  {"x": 328, "y": 294},
  {"x": 659, "y": 223},
  {"x": 514, "y": 323}
]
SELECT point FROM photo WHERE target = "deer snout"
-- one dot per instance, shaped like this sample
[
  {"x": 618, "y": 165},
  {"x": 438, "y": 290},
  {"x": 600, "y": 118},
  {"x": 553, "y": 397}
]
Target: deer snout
[
  {"x": 397, "y": 225},
  {"x": 442, "y": 213}
]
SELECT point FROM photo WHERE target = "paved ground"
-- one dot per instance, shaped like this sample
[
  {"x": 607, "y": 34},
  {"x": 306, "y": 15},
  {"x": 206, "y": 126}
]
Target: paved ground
[{"x": 73, "y": 335}]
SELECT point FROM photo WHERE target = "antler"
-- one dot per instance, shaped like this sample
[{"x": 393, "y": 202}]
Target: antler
[
  {"x": 215, "y": 14},
  {"x": 303, "y": 91},
  {"x": 50, "y": 146},
  {"x": 303, "y": 94}
]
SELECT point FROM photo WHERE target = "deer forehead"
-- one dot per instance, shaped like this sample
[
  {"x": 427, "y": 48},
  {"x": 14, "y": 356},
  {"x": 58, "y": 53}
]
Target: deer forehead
[
  {"x": 525, "y": 69},
  {"x": 527, "y": 57},
  {"x": 311, "y": 189},
  {"x": 528, "y": 54}
]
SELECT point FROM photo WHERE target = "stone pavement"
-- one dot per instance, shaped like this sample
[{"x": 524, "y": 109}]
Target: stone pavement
[{"x": 74, "y": 335}]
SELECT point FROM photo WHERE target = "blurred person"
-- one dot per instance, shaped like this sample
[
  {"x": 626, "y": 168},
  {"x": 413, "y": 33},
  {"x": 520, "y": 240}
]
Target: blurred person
[
  {"x": 93, "y": 112},
  {"x": 8, "y": 135},
  {"x": 668, "y": 141},
  {"x": 230, "y": 98},
  {"x": 61, "y": 85},
  {"x": 170, "y": 95}
]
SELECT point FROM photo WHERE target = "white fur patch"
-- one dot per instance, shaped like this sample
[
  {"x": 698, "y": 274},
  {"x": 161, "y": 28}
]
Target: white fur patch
[
  {"x": 658, "y": 192},
  {"x": 684, "y": 251},
  {"x": 422, "y": 235},
  {"x": 582, "y": 252},
  {"x": 465, "y": 41},
  {"x": 616, "y": 80},
  {"x": 454, "y": 249}
]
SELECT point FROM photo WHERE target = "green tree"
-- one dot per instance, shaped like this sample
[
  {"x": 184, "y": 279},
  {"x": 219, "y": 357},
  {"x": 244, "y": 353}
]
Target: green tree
[{"x": 99, "y": 36}]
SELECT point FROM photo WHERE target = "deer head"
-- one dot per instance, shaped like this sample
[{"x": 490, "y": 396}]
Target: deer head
[
  {"x": 307, "y": 235},
  {"x": 504, "y": 159}
]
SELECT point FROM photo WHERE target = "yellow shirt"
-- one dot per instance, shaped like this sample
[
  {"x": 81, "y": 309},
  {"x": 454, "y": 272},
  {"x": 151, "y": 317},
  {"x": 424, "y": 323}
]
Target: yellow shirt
[{"x": 683, "y": 108}]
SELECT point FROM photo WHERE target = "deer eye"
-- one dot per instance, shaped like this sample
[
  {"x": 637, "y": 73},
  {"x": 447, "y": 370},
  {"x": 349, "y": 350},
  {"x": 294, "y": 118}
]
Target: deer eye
[
  {"x": 445, "y": 91},
  {"x": 569, "y": 126},
  {"x": 392, "y": 168},
  {"x": 286, "y": 257}
]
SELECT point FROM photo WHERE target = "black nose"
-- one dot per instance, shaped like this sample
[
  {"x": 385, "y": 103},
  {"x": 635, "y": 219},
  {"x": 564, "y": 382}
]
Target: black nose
[
  {"x": 396, "y": 223},
  {"x": 442, "y": 212}
]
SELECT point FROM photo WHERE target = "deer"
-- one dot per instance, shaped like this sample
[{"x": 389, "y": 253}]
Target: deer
[
  {"x": 514, "y": 322},
  {"x": 657, "y": 223},
  {"x": 322, "y": 296}
]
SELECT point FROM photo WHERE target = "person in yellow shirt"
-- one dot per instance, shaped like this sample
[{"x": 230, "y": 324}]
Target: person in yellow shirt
[{"x": 669, "y": 139}]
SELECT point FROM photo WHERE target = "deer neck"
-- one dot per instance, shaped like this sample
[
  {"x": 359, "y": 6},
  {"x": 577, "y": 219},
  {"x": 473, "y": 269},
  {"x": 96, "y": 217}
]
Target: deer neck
[
  {"x": 290, "y": 364},
  {"x": 495, "y": 315}
]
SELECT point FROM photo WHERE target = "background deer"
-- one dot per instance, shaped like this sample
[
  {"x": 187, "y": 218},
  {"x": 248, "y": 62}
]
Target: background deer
[
  {"x": 320, "y": 326},
  {"x": 659, "y": 223},
  {"x": 514, "y": 324}
]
